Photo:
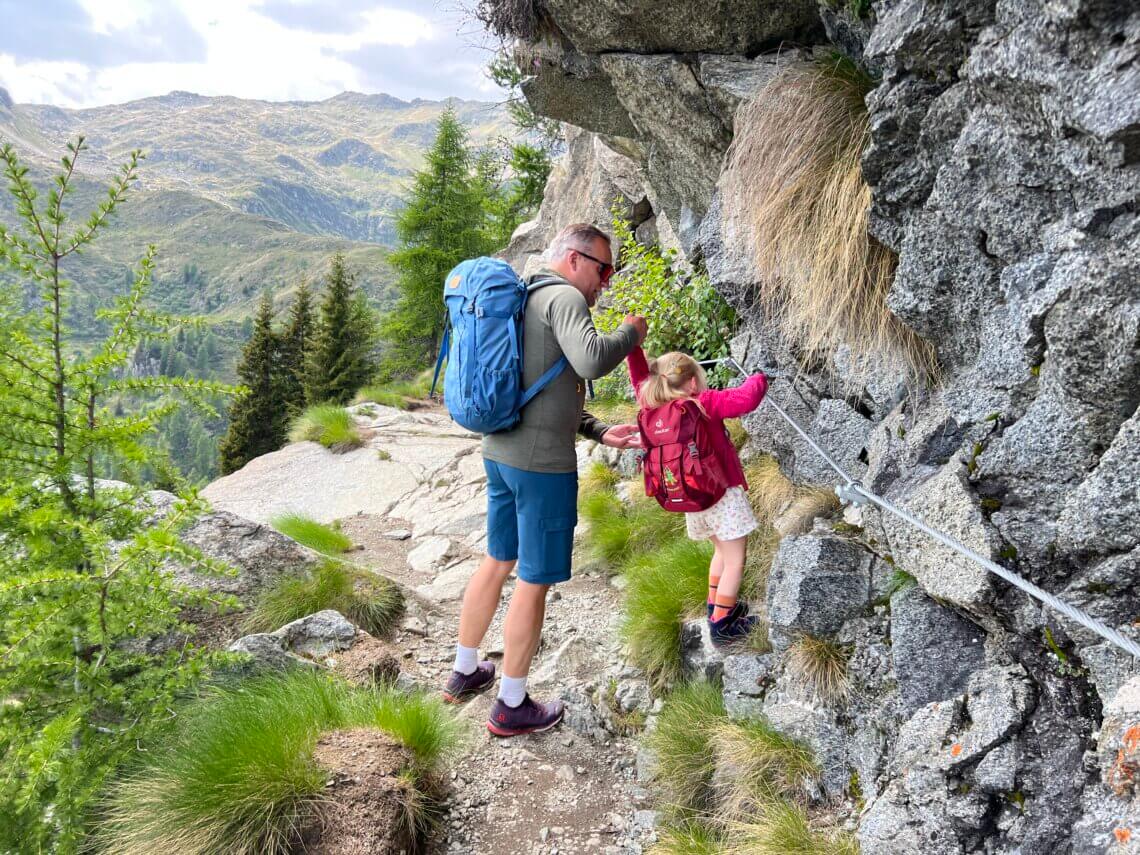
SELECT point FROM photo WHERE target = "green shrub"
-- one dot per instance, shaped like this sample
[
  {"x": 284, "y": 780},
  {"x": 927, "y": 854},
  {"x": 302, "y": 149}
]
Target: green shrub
[
  {"x": 237, "y": 775},
  {"x": 688, "y": 314},
  {"x": 330, "y": 425},
  {"x": 315, "y": 535},
  {"x": 665, "y": 588},
  {"x": 682, "y": 743},
  {"x": 371, "y": 602}
]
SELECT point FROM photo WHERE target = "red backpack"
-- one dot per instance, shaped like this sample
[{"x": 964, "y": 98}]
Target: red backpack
[{"x": 680, "y": 464}]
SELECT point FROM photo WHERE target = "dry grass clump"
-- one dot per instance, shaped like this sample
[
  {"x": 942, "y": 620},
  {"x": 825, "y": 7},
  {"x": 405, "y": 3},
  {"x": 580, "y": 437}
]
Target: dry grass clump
[
  {"x": 527, "y": 20},
  {"x": 769, "y": 490},
  {"x": 794, "y": 168},
  {"x": 766, "y": 765},
  {"x": 779, "y": 502},
  {"x": 820, "y": 666},
  {"x": 809, "y": 503},
  {"x": 782, "y": 828}
]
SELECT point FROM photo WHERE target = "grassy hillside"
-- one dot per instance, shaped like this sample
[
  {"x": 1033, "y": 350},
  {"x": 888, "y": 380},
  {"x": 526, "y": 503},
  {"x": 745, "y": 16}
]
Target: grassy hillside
[{"x": 241, "y": 196}]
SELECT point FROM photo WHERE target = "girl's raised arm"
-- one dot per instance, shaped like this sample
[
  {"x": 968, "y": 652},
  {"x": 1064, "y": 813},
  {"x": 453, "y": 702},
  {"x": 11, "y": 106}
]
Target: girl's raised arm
[
  {"x": 733, "y": 403},
  {"x": 638, "y": 367}
]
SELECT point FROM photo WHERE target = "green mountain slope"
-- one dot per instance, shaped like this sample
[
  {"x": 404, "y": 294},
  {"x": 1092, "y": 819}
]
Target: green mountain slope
[{"x": 241, "y": 195}]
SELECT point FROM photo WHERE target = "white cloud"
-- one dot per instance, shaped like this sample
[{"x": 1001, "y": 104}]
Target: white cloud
[{"x": 250, "y": 55}]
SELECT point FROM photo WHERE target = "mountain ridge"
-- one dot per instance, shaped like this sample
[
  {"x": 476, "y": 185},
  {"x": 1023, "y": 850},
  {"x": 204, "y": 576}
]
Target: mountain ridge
[{"x": 269, "y": 189}]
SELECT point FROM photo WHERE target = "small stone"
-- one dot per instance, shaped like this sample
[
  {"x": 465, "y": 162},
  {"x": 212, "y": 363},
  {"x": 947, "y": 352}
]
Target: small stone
[
  {"x": 397, "y": 534},
  {"x": 414, "y": 625},
  {"x": 543, "y": 834},
  {"x": 565, "y": 773}
]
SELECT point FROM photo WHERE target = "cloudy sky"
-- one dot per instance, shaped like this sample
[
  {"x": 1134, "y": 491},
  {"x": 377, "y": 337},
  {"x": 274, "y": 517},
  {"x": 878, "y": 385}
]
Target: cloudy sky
[{"x": 83, "y": 53}]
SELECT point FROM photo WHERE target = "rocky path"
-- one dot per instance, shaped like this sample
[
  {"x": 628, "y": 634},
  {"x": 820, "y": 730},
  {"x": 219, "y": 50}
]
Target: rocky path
[{"x": 412, "y": 502}]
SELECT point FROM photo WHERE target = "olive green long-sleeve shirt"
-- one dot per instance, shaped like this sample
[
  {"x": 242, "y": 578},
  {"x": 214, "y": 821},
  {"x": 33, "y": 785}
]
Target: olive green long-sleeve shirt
[{"x": 558, "y": 322}]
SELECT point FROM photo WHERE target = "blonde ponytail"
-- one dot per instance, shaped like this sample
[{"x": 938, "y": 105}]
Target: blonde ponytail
[{"x": 669, "y": 375}]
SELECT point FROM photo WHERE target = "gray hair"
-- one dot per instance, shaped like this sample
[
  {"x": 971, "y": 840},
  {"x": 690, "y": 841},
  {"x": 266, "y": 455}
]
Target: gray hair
[{"x": 577, "y": 236}]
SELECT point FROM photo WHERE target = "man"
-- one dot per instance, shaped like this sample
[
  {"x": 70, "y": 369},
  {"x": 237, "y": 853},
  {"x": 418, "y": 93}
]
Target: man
[{"x": 532, "y": 475}]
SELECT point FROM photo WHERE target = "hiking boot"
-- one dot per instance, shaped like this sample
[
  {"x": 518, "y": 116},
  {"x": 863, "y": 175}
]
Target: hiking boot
[
  {"x": 527, "y": 717},
  {"x": 734, "y": 626},
  {"x": 462, "y": 686}
]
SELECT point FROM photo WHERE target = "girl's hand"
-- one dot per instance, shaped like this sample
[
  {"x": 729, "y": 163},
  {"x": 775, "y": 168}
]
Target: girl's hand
[{"x": 622, "y": 436}]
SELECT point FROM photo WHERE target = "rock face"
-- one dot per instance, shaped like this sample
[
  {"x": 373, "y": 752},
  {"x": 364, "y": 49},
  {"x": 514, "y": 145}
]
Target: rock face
[{"x": 1004, "y": 170}]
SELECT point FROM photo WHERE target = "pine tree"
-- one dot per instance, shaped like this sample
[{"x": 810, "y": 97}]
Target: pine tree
[
  {"x": 442, "y": 224},
  {"x": 296, "y": 343},
  {"x": 83, "y": 583},
  {"x": 259, "y": 421},
  {"x": 340, "y": 358}
]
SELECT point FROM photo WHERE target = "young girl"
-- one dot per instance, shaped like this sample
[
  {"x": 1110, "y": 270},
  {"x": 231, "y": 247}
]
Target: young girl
[{"x": 727, "y": 523}]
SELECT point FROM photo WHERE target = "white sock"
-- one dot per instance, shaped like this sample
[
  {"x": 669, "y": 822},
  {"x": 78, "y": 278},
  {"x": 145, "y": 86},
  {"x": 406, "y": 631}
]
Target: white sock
[
  {"x": 466, "y": 659},
  {"x": 512, "y": 690}
]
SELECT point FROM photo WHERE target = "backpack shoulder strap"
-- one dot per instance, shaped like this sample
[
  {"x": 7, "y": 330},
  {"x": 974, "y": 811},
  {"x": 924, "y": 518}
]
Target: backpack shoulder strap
[{"x": 545, "y": 380}]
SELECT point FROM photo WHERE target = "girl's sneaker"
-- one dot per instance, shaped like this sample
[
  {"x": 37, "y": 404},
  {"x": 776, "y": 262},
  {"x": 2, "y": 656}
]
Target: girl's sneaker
[{"x": 734, "y": 626}]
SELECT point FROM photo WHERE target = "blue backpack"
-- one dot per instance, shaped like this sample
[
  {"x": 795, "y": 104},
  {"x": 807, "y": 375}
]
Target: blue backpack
[{"x": 486, "y": 306}]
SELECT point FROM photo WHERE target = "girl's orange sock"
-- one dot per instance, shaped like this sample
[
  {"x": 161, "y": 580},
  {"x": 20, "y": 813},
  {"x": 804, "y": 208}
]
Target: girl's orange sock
[{"x": 721, "y": 608}]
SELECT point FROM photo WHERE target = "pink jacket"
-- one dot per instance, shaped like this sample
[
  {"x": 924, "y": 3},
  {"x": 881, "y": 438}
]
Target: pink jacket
[{"x": 719, "y": 405}]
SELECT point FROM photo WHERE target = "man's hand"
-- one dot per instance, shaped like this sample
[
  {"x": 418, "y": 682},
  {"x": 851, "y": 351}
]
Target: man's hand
[
  {"x": 639, "y": 324},
  {"x": 622, "y": 436}
]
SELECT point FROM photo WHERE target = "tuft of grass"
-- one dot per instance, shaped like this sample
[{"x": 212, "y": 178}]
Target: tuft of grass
[
  {"x": 782, "y": 828},
  {"x": 371, "y": 602},
  {"x": 665, "y": 588},
  {"x": 400, "y": 394},
  {"x": 757, "y": 640},
  {"x": 766, "y": 765},
  {"x": 613, "y": 409},
  {"x": 236, "y": 773},
  {"x": 794, "y": 166},
  {"x": 682, "y": 743},
  {"x": 687, "y": 838},
  {"x": 330, "y": 425},
  {"x": 599, "y": 478},
  {"x": 620, "y": 532},
  {"x": 809, "y": 503},
  {"x": 820, "y": 665},
  {"x": 769, "y": 490},
  {"x": 778, "y": 502},
  {"x": 898, "y": 580},
  {"x": 736, "y": 433},
  {"x": 316, "y": 535}
]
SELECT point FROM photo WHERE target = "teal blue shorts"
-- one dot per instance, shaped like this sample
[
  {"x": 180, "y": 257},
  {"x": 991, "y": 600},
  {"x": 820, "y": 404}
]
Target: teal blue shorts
[{"x": 531, "y": 517}]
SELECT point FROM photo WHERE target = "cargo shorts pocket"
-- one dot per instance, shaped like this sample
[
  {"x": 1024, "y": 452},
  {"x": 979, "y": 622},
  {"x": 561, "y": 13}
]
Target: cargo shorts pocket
[{"x": 557, "y": 545}]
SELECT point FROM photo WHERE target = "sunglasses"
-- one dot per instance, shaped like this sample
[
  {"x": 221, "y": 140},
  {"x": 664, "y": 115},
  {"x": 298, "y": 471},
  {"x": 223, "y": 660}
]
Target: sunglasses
[{"x": 605, "y": 271}]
